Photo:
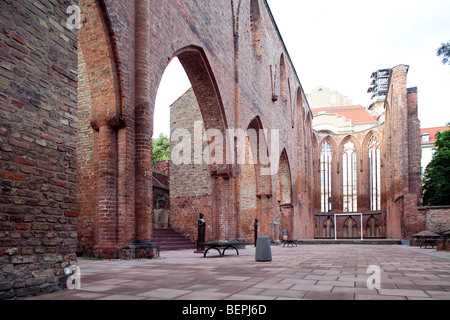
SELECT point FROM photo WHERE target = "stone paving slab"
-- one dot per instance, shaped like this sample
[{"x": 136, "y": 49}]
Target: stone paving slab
[{"x": 306, "y": 272}]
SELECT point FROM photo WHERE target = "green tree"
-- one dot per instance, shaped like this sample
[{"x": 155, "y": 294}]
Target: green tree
[
  {"x": 444, "y": 51},
  {"x": 161, "y": 149},
  {"x": 437, "y": 175}
]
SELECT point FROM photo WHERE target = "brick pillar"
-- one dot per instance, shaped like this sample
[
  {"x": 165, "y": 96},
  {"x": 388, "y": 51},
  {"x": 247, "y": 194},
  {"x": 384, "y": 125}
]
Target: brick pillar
[
  {"x": 144, "y": 124},
  {"x": 106, "y": 235},
  {"x": 224, "y": 225}
]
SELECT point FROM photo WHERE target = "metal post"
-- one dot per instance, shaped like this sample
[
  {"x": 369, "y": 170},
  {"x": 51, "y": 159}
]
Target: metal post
[
  {"x": 335, "y": 229},
  {"x": 362, "y": 230}
]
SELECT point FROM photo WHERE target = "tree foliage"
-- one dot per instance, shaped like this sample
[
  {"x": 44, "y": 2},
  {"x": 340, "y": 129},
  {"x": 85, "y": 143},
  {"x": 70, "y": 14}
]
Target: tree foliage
[
  {"x": 161, "y": 149},
  {"x": 437, "y": 175},
  {"x": 444, "y": 52}
]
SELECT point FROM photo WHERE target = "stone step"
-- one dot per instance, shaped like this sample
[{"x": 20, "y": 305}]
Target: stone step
[{"x": 169, "y": 239}]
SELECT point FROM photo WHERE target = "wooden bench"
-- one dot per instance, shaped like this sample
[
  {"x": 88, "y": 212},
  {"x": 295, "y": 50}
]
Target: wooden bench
[{"x": 222, "y": 245}]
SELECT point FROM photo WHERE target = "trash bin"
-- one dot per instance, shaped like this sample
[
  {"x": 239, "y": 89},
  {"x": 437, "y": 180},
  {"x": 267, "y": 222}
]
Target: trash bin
[{"x": 263, "y": 250}]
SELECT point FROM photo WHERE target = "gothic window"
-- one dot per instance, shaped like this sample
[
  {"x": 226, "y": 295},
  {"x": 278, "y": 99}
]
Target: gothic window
[
  {"x": 374, "y": 174},
  {"x": 256, "y": 30},
  {"x": 350, "y": 178},
  {"x": 350, "y": 228},
  {"x": 328, "y": 228},
  {"x": 372, "y": 228},
  {"x": 283, "y": 79},
  {"x": 325, "y": 176}
]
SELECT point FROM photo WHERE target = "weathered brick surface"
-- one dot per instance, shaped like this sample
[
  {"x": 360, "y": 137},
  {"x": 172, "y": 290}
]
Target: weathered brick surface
[
  {"x": 38, "y": 113},
  {"x": 402, "y": 147},
  {"x": 221, "y": 60},
  {"x": 190, "y": 184},
  {"x": 242, "y": 78},
  {"x": 437, "y": 218}
]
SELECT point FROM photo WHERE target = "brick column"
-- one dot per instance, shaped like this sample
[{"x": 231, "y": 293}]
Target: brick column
[
  {"x": 106, "y": 235},
  {"x": 144, "y": 124}
]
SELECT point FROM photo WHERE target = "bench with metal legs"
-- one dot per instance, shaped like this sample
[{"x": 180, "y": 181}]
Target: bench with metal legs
[{"x": 219, "y": 245}]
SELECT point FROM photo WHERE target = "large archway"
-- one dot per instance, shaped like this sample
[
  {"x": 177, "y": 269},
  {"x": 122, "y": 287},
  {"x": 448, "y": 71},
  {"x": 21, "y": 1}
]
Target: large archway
[
  {"x": 255, "y": 187},
  {"x": 284, "y": 224},
  {"x": 199, "y": 176}
]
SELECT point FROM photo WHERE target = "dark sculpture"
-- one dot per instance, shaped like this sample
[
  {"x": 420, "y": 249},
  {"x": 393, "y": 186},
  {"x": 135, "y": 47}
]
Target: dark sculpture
[
  {"x": 256, "y": 231},
  {"x": 201, "y": 233}
]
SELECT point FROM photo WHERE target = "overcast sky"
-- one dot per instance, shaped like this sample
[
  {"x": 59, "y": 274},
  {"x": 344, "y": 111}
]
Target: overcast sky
[{"x": 338, "y": 44}]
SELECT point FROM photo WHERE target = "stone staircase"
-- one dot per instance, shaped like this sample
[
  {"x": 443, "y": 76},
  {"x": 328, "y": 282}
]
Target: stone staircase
[{"x": 169, "y": 240}]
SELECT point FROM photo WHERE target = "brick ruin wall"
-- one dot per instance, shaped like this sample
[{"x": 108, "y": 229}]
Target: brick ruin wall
[
  {"x": 437, "y": 218},
  {"x": 190, "y": 185},
  {"x": 223, "y": 54},
  {"x": 38, "y": 117}
]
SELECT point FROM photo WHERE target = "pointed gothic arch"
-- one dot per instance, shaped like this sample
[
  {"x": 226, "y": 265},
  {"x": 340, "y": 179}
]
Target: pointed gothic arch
[
  {"x": 255, "y": 193},
  {"x": 373, "y": 158},
  {"x": 256, "y": 31},
  {"x": 284, "y": 217},
  {"x": 350, "y": 228},
  {"x": 283, "y": 80},
  {"x": 327, "y": 154},
  {"x": 349, "y": 150}
]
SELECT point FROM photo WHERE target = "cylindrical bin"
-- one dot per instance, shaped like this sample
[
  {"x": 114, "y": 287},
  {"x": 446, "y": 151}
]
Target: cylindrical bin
[{"x": 263, "y": 250}]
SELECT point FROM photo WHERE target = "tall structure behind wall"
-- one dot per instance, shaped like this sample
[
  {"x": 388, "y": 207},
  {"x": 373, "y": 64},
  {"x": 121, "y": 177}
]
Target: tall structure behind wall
[{"x": 402, "y": 145}]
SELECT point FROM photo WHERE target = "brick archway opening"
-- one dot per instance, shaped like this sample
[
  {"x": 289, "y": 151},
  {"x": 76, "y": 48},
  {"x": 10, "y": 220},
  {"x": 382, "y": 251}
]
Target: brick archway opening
[
  {"x": 255, "y": 187},
  {"x": 285, "y": 208},
  {"x": 198, "y": 183}
]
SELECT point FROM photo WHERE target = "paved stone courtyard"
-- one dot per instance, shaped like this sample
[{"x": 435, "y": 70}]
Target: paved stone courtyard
[{"x": 313, "y": 272}]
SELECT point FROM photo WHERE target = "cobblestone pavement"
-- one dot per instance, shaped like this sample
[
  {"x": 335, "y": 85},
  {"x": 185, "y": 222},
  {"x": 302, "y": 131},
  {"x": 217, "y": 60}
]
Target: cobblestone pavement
[{"x": 314, "y": 272}]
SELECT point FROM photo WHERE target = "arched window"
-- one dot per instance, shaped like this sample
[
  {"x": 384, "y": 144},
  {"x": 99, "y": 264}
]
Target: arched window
[
  {"x": 374, "y": 173},
  {"x": 283, "y": 79},
  {"x": 350, "y": 177},
  {"x": 350, "y": 228},
  {"x": 325, "y": 176},
  {"x": 256, "y": 30},
  {"x": 328, "y": 228},
  {"x": 372, "y": 228}
]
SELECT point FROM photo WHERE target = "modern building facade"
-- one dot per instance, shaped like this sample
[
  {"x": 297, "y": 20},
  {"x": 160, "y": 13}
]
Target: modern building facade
[{"x": 428, "y": 140}]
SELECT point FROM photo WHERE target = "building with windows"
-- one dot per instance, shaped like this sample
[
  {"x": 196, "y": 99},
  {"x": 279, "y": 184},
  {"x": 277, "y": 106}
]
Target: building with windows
[
  {"x": 325, "y": 97},
  {"x": 428, "y": 140}
]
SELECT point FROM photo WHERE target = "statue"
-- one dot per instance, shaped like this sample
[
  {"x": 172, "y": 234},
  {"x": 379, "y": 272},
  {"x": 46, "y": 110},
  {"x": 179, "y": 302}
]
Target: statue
[
  {"x": 201, "y": 233},
  {"x": 256, "y": 231}
]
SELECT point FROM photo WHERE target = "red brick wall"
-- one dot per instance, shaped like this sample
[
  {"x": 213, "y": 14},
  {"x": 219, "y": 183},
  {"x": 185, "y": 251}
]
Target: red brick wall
[
  {"x": 437, "y": 218},
  {"x": 190, "y": 184},
  {"x": 87, "y": 152},
  {"x": 38, "y": 113},
  {"x": 402, "y": 138},
  {"x": 163, "y": 167},
  {"x": 238, "y": 74},
  {"x": 221, "y": 66}
]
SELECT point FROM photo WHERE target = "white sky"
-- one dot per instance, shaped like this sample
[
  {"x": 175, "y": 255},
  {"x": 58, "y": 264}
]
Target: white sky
[
  {"x": 173, "y": 84},
  {"x": 338, "y": 44}
]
